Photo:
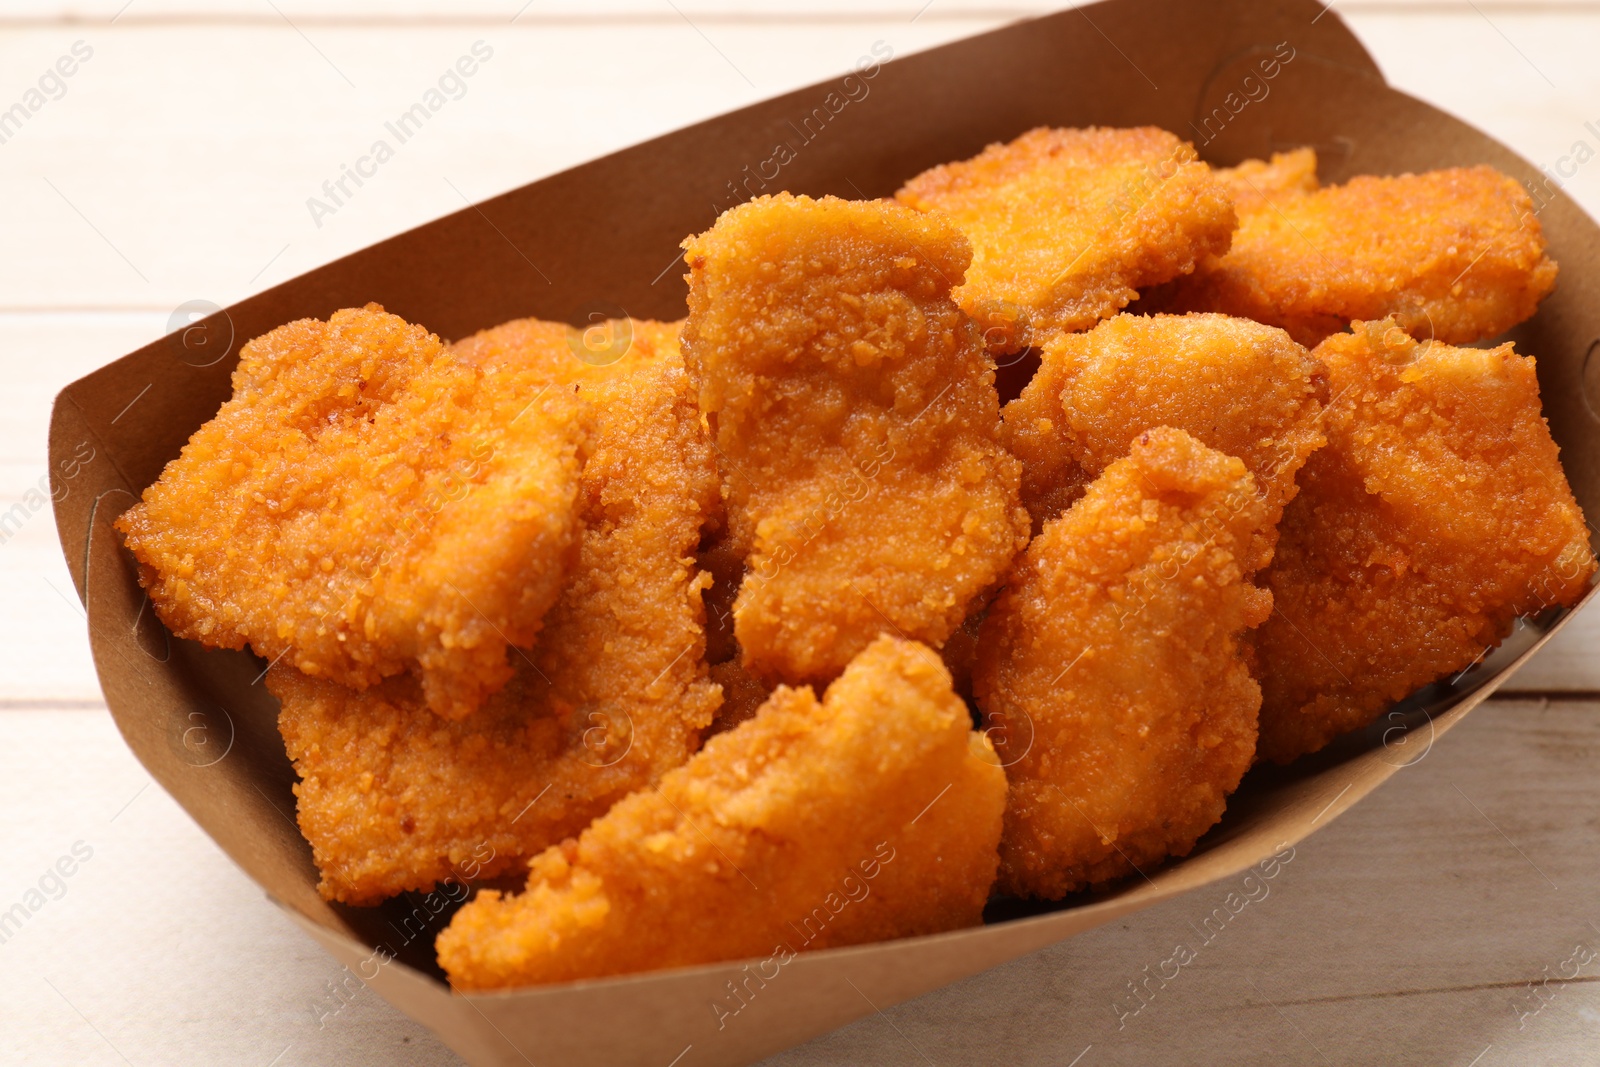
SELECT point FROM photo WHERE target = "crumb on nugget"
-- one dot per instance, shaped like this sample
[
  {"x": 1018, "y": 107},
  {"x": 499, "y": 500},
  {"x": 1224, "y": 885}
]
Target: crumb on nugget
[
  {"x": 614, "y": 695},
  {"x": 1242, "y": 388},
  {"x": 1436, "y": 515},
  {"x": 1453, "y": 255},
  {"x": 366, "y": 504},
  {"x": 857, "y": 423},
  {"x": 1114, "y": 659},
  {"x": 871, "y": 814},
  {"x": 1066, "y": 225}
]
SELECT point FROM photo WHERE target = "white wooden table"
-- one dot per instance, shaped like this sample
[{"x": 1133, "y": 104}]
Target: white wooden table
[{"x": 1433, "y": 924}]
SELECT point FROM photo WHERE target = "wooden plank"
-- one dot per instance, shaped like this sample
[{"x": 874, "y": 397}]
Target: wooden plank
[
  {"x": 1519, "y": 77},
  {"x": 1405, "y": 932},
  {"x": 44, "y": 650},
  {"x": 220, "y": 136},
  {"x": 156, "y": 941},
  {"x": 226, "y": 213},
  {"x": 312, "y": 13},
  {"x": 1569, "y": 663},
  {"x": 1422, "y": 913}
]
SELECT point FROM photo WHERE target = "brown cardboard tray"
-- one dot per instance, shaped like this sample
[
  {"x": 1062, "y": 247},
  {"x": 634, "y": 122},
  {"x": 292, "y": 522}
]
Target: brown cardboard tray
[{"x": 603, "y": 237}]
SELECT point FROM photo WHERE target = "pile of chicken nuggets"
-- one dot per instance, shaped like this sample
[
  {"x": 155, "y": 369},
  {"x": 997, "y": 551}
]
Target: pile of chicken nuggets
[{"x": 773, "y": 629}]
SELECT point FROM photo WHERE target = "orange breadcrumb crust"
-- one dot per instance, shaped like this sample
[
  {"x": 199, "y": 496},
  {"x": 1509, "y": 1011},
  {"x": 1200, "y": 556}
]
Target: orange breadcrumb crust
[
  {"x": 1113, "y": 660},
  {"x": 1454, "y": 255},
  {"x": 561, "y": 353},
  {"x": 363, "y": 505},
  {"x": 1255, "y": 183},
  {"x": 1240, "y": 387},
  {"x": 871, "y": 815},
  {"x": 1066, "y": 225},
  {"x": 856, "y": 422},
  {"x": 1437, "y": 514},
  {"x": 614, "y": 695}
]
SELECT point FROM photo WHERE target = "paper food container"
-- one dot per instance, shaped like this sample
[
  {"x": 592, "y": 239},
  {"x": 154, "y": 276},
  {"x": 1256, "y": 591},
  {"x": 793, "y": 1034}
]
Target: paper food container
[{"x": 1238, "y": 77}]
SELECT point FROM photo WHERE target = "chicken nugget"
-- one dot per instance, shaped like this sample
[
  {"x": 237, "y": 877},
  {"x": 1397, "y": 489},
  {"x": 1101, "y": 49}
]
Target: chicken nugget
[
  {"x": 1242, "y": 388},
  {"x": 872, "y": 814},
  {"x": 1454, "y": 255},
  {"x": 1255, "y": 183},
  {"x": 1117, "y": 645},
  {"x": 603, "y": 350},
  {"x": 363, "y": 505},
  {"x": 614, "y": 695},
  {"x": 856, "y": 423},
  {"x": 1066, "y": 225},
  {"x": 1436, "y": 515}
]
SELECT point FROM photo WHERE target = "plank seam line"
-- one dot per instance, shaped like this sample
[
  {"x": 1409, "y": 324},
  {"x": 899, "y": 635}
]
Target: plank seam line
[{"x": 1478, "y": 987}]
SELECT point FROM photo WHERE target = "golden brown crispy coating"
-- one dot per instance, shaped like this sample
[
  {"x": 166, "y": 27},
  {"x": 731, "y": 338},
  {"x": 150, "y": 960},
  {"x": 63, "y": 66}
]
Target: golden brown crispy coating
[
  {"x": 1066, "y": 225},
  {"x": 600, "y": 352},
  {"x": 614, "y": 695},
  {"x": 1457, "y": 255},
  {"x": 1437, "y": 514},
  {"x": 364, "y": 504},
  {"x": 1240, "y": 387},
  {"x": 857, "y": 426},
  {"x": 1115, "y": 648},
  {"x": 1254, "y": 183},
  {"x": 870, "y": 815}
]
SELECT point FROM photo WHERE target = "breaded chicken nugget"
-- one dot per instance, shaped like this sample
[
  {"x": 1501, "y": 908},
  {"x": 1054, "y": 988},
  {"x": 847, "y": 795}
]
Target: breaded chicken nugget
[
  {"x": 1255, "y": 183},
  {"x": 870, "y": 815},
  {"x": 1240, "y": 387},
  {"x": 364, "y": 504},
  {"x": 857, "y": 426},
  {"x": 601, "y": 351},
  {"x": 1117, "y": 644},
  {"x": 613, "y": 696},
  {"x": 1456, "y": 255},
  {"x": 1067, "y": 225},
  {"x": 1437, "y": 514}
]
